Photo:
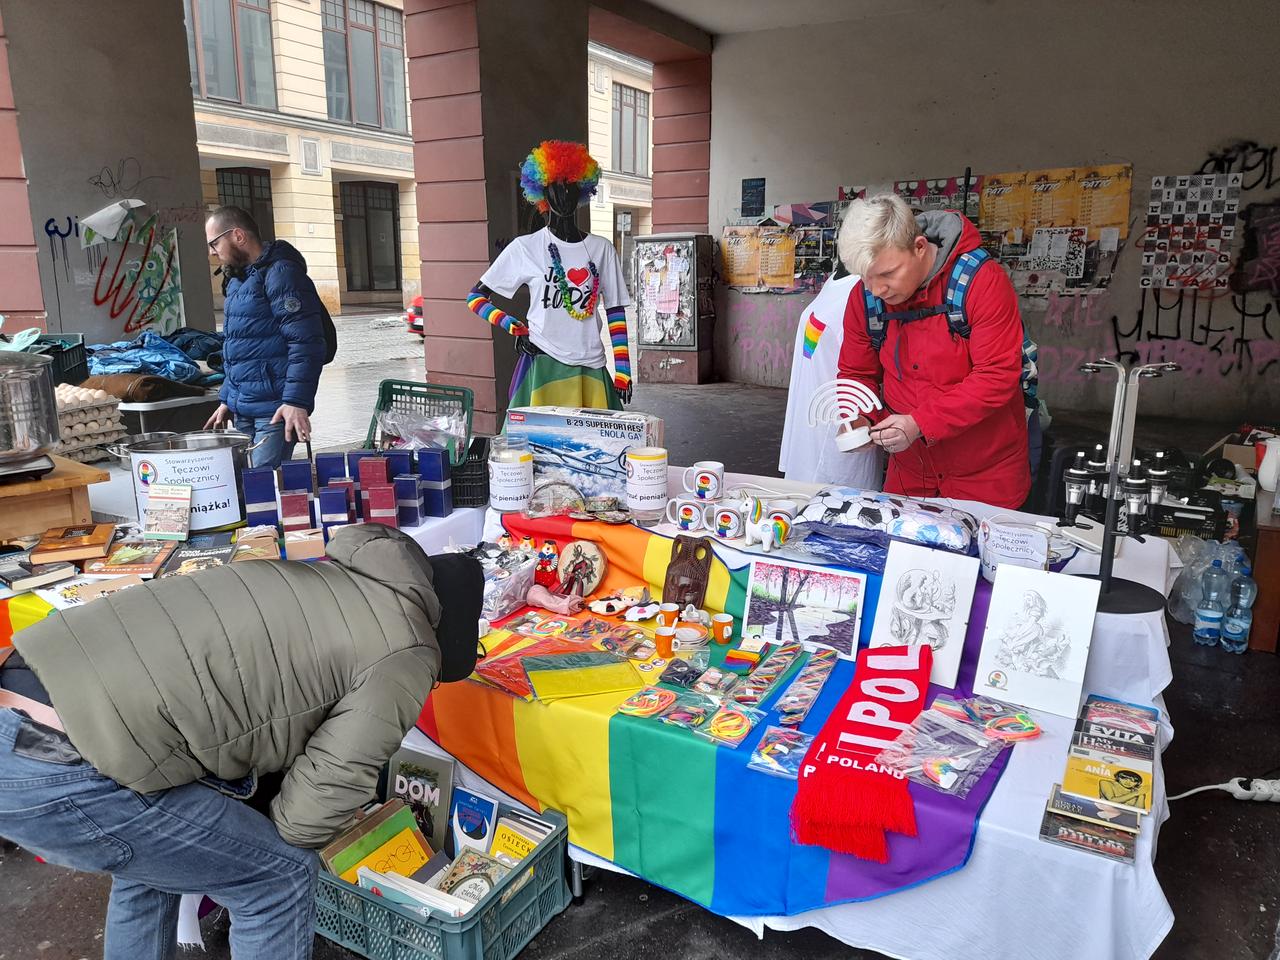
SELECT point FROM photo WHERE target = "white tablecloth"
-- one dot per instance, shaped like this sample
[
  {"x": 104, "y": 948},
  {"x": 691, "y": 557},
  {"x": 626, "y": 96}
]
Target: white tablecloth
[{"x": 1017, "y": 896}]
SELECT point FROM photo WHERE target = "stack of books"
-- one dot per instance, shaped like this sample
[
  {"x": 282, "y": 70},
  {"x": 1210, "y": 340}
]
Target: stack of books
[
  {"x": 1107, "y": 785},
  {"x": 387, "y": 851}
]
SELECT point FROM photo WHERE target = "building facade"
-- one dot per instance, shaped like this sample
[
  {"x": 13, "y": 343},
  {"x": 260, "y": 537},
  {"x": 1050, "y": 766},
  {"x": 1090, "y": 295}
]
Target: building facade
[
  {"x": 620, "y": 123},
  {"x": 302, "y": 118}
]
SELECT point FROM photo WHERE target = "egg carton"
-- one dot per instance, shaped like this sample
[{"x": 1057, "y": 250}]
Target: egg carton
[
  {"x": 97, "y": 408},
  {"x": 87, "y": 455},
  {"x": 95, "y": 440},
  {"x": 92, "y": 428},
  {"x": 104, "y": 417}
]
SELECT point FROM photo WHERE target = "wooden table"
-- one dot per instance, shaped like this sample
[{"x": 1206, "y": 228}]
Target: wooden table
[
  {"x": 1266, "y": 570},
  {"x": 60, "y": 498}
]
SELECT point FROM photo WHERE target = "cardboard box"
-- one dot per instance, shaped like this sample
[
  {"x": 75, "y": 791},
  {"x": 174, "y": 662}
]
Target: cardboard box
[
  {"x": 399, "y": 462},
  {"x": 409, "y": 507},
  {"x": 381, "y": 505},
  {"x": 330, "y": 466},
  {"x": 1244, "y": 454},
  {"x": 584, "y": 447},
  {"x": 305, "y": 544},
  {"x": 295, "y": 511},
  {"x": 436, "y": 474},
  {"x": 333, "y": 508}
]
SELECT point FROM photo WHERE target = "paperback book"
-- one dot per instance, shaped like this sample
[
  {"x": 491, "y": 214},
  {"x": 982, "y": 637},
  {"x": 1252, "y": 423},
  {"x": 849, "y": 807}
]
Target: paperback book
[
  {"x": 473, "y": 816},
  {"x": 86, "y": 541},
  {"x": 425, "y": 784},
  {"x": 1118, "y": 780},
  {"x": 1094, "y": 811},
  {"x": 472, "y": 876},
  {"x": 140, "y": 559},
  {"x": 18, "y": 573},
  {"x": 82, "y": 590},
  {"x": 188, "y": 559},
  {"x": 167, "y": 515},
  {"x": 1092, "y": 838}
]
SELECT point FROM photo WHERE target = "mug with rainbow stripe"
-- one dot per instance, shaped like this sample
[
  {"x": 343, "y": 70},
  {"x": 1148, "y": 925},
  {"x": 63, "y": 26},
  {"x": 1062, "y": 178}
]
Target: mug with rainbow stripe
[{"x": 707, "y": 482}]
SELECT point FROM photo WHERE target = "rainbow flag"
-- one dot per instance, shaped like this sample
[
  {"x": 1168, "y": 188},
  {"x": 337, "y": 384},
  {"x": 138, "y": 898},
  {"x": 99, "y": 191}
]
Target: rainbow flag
[
  {"x": 812, "y": 333},
  {"x": 672, "y": 807}
]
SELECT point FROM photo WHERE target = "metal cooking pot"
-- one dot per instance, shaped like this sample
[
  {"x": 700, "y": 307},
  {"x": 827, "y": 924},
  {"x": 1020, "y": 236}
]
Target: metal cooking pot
[
  {"x": 28, "y": 408},
  {"x": 120, "y": 449},
  {"x": 209, "y": 461}
]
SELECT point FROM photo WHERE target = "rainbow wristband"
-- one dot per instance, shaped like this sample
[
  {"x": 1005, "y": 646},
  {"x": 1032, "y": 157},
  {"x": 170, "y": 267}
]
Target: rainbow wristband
[{"x": 484, "y": 308}]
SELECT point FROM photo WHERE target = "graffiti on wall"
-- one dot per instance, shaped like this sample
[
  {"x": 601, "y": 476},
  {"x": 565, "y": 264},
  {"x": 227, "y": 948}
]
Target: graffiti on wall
[
  {"x": 135, "y": 276},
  {"x": 122, "y": 180}
]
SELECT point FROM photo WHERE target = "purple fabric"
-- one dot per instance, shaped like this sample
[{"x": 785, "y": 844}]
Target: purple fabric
[{"x": 946, "y": 826}]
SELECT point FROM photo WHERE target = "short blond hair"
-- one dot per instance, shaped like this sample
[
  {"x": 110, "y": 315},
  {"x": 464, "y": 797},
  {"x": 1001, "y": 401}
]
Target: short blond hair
[{"x": 873, "y": 225}]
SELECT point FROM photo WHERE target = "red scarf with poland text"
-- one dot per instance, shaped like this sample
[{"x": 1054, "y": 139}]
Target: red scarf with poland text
[{"x": 844, "y": 800}]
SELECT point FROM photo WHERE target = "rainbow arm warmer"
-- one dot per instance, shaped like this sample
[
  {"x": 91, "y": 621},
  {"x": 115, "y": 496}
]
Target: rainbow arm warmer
[
  {"x": 617, "y": 318},
  {"x": 479, "y": 304}
]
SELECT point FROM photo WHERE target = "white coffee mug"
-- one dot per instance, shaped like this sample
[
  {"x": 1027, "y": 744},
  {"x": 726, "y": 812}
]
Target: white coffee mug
[
  {"x": 707, "y": 481},
  {"x": 727, "y": 520},
  {"x": 647, "y": 478},
  {"x": 785, "y": 509},
  {"x": 686, "y": 513}
]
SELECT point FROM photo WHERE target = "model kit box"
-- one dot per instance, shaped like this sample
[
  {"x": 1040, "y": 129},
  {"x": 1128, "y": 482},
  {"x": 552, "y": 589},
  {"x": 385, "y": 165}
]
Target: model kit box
[{"x": 584, "y": 447}]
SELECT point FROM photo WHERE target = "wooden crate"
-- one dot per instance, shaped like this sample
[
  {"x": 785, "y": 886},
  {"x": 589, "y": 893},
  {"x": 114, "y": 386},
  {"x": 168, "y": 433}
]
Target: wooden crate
[{"x": 60, "y": 498}]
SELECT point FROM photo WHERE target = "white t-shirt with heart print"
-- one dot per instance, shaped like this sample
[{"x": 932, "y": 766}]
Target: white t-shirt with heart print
[{"x": 526, "y": 261}]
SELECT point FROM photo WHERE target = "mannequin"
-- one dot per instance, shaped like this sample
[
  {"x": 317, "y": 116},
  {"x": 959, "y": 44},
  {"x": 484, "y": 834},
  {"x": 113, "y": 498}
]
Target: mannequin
[{"x": 570, "y": 275}]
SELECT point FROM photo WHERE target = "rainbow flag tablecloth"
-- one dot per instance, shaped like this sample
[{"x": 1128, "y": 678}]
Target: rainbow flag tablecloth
[{"x": 675, "y": 809}]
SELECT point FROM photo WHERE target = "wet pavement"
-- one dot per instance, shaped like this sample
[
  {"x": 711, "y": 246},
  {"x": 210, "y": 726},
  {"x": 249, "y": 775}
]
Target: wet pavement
[{"x": 1217, "y": 860}]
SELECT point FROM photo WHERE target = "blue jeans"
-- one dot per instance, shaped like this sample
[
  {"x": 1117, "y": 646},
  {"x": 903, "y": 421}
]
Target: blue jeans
[
  {"x": 157, "y": 846},
  {"x": 274, "y": 447}
]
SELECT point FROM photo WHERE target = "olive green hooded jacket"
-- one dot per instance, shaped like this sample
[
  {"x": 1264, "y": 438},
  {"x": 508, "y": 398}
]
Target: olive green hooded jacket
[{"x": 315, "y": 669}]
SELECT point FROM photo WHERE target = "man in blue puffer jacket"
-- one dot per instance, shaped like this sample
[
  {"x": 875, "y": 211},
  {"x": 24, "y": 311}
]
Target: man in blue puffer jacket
[{"x": 275, "y": 342}]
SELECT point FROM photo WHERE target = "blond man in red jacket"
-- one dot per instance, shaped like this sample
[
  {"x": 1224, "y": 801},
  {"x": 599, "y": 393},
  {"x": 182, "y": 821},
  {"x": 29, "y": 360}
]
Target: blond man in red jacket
[{"x": 955, "y": 423}]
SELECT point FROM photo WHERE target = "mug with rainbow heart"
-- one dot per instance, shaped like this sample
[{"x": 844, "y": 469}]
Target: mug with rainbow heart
[
  {"x": 707, "y": 481},
  {"x": 727, "y": 520},
  {"x": 687, "y": 513}
]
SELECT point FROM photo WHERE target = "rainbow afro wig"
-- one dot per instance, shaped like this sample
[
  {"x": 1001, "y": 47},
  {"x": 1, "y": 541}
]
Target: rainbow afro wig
[{"x": 558, "y": 161}]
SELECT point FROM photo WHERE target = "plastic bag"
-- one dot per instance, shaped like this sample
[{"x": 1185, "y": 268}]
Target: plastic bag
[
  {"x": 731, "y": 724},
  {"x": 780, "y": 752},
  {"x": 941, "y": 753},
  {"x": 794, "y": 705},
  {"x": 690, "y": 710},
  {"x": 764, "y": 679},
  {"x": 410, "y": 430}
]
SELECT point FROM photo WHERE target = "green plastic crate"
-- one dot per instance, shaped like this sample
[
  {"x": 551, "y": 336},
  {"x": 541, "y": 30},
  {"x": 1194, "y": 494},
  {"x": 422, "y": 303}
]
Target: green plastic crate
[
  {"x": 425, "y": 398},
  {"x": 496, "y": 928}
]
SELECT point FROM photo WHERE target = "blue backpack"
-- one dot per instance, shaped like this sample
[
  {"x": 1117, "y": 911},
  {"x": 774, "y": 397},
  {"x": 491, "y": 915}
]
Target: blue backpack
[{"x": 962, "y": 273}]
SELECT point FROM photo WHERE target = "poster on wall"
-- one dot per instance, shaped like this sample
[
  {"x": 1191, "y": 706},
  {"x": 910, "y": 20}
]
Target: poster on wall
[
  {"x": 1057, "y": 230},
  {"x": 753, "y": 197},
  {"x": 1191, "y": 223},
  {"x": 740, "y": 257},
  {"x": 1260, "y": 259},
  {"x": 777, "y": 259},
  {"x": 942, "y": 193}
]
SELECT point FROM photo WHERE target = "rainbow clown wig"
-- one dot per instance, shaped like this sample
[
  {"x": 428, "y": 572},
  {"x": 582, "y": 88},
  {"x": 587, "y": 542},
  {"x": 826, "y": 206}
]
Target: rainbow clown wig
[{"x": 558, "y": 161}]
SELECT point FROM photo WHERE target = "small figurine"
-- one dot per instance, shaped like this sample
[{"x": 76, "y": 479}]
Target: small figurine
[
  {"x": 527, "y": 545},
  {"x": 547, "y": 570},
  {"x": 692, "y": 614},
  {"x": 769, "y": 532},
  {"x": 506, "y": 542}
]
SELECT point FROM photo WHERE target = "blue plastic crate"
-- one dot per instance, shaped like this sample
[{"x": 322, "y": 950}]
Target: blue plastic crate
[{"x": 497, "y": 928}]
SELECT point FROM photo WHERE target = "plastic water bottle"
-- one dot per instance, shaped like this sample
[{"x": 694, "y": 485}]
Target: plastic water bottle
[
  {"x": 1239, "y": 618},
  {"x": 1210, "y": 609}
]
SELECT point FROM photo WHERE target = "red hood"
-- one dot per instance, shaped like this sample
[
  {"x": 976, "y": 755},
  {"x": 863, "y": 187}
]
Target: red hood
[{"x": 946, "y": 228}]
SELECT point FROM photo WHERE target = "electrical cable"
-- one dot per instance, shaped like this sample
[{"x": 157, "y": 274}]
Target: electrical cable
[{"x": 1242, "y": 788}]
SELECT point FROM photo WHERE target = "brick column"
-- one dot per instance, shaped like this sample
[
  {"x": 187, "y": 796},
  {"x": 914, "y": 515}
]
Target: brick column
[
  {"x": 681, "y": 144},
  {"x": 487, "y": 82},
  {"x": 681, "y": 175},
  {"x": 21, "y": 301}
]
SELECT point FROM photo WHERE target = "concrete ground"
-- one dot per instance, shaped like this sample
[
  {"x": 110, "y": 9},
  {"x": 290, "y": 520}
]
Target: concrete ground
[{"x": 1217, "y": 856}]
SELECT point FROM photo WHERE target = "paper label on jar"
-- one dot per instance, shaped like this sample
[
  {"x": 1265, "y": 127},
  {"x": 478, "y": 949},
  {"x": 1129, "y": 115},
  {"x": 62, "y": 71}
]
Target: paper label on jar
[
  {"x": 647, "y": 483},
  {"x": 511, "y": 483}
]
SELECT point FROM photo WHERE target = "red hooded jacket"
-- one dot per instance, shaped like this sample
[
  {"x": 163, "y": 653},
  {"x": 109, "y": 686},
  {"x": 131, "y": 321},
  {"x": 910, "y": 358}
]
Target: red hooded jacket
[{"x": 963, "y": 393}]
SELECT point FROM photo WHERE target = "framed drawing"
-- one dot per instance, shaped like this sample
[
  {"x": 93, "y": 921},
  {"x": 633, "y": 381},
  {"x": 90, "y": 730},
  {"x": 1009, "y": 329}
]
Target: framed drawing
[
  {"x": 819, "y": 606},
  {"x": 925, "y": 598},
  {"x": 1036, "y": 644}
]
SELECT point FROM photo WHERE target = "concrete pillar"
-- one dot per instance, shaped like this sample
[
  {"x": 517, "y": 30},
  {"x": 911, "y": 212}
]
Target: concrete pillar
[
  {"x": 488, "y": 81},
  {"x": 21, "y": 301}
]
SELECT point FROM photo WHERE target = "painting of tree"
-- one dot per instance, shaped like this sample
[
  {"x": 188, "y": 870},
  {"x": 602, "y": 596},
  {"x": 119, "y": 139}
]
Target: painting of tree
[{"x": 794, "y": 601}]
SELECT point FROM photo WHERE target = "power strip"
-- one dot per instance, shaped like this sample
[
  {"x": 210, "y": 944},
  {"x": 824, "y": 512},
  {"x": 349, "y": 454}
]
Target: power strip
[{"x": 1243, "y": 788}]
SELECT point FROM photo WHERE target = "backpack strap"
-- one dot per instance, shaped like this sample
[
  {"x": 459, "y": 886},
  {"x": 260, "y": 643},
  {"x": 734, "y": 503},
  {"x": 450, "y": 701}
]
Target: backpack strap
[
  {"x": 962, "y": 272},
  {"x": 873, "y": 309}
]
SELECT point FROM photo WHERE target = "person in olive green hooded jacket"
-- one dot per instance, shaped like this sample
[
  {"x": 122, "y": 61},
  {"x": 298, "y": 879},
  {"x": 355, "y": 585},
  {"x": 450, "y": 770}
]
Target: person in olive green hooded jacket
[{"x": 152, "y": 711}]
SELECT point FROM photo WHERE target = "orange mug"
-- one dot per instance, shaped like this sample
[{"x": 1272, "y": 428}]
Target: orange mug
[
  {"x": 668, "y": 614},
  {"x": 722, "y": 627},
  {"x": 665, "y": 638}
]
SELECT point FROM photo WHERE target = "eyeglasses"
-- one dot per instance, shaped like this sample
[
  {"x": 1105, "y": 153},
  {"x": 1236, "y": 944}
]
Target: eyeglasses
[{"x": 213, "y": 244}]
